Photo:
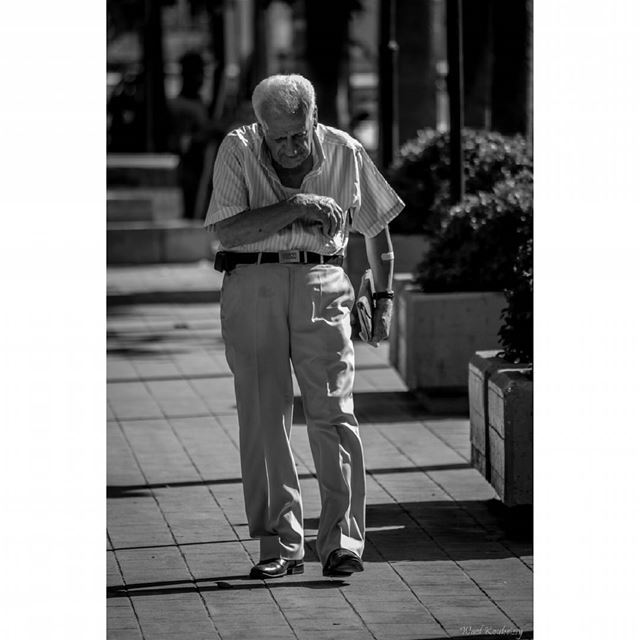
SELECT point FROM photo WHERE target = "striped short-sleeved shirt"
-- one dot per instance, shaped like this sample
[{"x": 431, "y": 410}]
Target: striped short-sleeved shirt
[{"x": 244, "y": 179}]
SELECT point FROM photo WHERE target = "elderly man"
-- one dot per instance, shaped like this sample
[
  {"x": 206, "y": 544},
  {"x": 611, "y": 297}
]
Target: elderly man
[{"x": 286, "y": 192}]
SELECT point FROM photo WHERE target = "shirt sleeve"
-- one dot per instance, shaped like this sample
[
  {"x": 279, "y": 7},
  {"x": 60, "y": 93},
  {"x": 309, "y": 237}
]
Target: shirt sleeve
[
  {"x": 379, "y": 203},
  {"x": 229, "y": 196}
]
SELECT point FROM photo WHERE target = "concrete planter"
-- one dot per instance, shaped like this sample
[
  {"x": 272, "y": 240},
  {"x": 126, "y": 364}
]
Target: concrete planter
[
  {"x": 482, "y": 366},
  {"x": 400, "y": 282},
  {"x": 436, "y": 334},
  {"x": 501, "y": 415}
]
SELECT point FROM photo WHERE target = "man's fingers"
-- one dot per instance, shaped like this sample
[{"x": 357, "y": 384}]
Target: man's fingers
[
  {"x": 328, "y": 212},
  {"x": 381, "y": 325},
  {"x": 336, "y": 224}
]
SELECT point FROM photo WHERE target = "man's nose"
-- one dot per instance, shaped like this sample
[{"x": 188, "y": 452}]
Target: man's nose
[{"x": 290, "y": 147}]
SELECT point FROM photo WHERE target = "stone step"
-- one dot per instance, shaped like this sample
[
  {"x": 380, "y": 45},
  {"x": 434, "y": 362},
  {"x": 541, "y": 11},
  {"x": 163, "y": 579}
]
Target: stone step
[
  {"x": 142, "y": 169},
  {"x": 125, "y": 204},
  {"x": 158, "y": 242},
  {"x": 193, "y": 282}
]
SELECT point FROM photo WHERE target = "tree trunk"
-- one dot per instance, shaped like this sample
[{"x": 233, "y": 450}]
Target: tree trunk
[
  {"x": 328, "y": 68},
  {"x": 215, "y": 11},
  {"x": 415, "y": 34},
  {"x": 156, "y": 116},
  {"x": 387, "y": 84},
  {"x": 455, "y": 83},
  {"x": 478, "y": 62},
  {"x": 510, "y": 69}
]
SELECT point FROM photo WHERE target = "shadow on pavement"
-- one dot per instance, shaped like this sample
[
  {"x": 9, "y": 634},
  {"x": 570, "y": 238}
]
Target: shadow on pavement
[
  {"x": 376, "y": 407},
  {"x": 441, "y": 531},
  {"x": 154, "y": 344},
  {"x": 143, "y": 490},
  {"x": 221, "y": 583}
]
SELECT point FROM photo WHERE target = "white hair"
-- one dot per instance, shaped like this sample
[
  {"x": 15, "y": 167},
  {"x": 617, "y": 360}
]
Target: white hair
[{"x": 283, "y": 94}]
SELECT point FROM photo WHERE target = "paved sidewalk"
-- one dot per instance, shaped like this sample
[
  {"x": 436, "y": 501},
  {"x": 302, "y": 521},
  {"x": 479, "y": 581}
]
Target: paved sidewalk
[{"x": 442, "y": 559}]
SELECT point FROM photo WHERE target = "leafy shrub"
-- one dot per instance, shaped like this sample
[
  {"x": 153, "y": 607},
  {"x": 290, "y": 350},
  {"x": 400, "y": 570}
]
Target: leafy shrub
[
  {"x": 480, "y": 238},
  {"x": 516, "y": 332},
  {"x": 421, "y": 173}
]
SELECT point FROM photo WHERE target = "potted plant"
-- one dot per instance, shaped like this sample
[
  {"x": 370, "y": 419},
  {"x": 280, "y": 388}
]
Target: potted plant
[
  {"x": 501, "y": 394},
  {"x": 453, "y": 307},
  {"x": 420, "y": 175}
]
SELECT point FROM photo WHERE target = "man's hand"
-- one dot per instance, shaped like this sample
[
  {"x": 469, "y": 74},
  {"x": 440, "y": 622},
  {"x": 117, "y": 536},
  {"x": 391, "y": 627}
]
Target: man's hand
[
  {"x": 382, "y": 314},
  {"x": 320, "y": 210}
]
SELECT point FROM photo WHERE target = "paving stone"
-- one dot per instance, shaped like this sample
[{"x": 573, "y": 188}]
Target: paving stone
[
  {"x": 119, "y": 368},
  {"x": 216, "y": 393},
  {"x": 159, "y": 453},
  {"x": 464, "y": 484},
  {"x": 382, "y": 379},
  {"x": 213, "y": 452},
  {"x": 124, "y": 634},
  {"x": 177, "y": 398},
  {"x": 154, "y": 568},
  {"x": 406, "y": 631},
  {"x": 520, "y": 611},
  {"x": 114, "y": 577},
  {"x": 333, "y": 633},
  {"x": 156, "y": 368},
  {"x": 217, "y": 561},
  {"x": 456, "y": 613},
  {"x": 137, "y": 409},
  {"x": 195, "y": 364},
  {"x": 252, "y": 633},
  {"x": 122, "y": 468}
]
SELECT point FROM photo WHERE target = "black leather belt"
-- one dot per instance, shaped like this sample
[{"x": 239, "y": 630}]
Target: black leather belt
[{"x": 227, "y": 260}]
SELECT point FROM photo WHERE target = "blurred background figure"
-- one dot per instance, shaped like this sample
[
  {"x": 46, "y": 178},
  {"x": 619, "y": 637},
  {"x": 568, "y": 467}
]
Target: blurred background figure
[
  {"x": 190, "y": 131},
  {"x": 125, "y": 114}
]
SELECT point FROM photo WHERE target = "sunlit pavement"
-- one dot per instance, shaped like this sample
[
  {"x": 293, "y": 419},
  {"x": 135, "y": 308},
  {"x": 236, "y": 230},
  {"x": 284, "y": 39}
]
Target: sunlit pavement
[{"x": 442, "y": 560}]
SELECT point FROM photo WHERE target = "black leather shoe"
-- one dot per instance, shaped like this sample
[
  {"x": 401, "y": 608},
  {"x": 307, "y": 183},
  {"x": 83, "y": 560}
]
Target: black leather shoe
[
  {"x": 342, "y": 562},
  {"x": 276, "y": 568}
]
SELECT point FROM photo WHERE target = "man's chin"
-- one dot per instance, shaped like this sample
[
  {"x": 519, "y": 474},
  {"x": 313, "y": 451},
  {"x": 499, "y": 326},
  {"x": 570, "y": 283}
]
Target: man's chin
[{"x": 290, "y": 163}]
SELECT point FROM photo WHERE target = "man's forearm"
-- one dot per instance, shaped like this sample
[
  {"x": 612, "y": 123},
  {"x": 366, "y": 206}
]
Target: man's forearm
[
  {"x": 382, "y": 269},
  {"x": 255, "y": 225}
]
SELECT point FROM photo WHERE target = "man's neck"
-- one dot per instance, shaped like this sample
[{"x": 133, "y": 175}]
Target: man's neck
[{"x": 293, "y": 177}]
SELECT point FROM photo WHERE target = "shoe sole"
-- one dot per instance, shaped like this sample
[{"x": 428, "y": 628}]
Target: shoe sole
[
  {"x": 294, "y": 570},
  {"x": 345, "y": 568}
]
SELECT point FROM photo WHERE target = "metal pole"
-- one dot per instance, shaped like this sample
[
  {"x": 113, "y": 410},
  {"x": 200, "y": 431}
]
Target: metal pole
[
  {"x": 387, "y": 84},
  {"x": 456, "y": 97}
]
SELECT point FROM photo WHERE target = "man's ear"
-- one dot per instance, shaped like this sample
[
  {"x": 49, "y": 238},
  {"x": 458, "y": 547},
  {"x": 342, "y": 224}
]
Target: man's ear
[
  {"x": 260, "y": 128},
  {"x": 315, "y": 116}
]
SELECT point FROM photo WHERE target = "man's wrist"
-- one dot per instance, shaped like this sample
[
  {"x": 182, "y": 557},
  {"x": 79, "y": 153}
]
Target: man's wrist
[
  {"x": 383, "y": 295},
  {"x": 296, "y": 204}
]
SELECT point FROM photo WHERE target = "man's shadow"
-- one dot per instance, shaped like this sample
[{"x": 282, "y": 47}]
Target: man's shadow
[{"x": 240, "y": 582}]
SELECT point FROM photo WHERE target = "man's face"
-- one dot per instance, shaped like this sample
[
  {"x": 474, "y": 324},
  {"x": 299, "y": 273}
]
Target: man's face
[{"x": 289, "y": 137}]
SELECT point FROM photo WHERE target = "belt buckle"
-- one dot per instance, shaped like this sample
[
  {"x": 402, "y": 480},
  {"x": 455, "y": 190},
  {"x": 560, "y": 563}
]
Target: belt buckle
[{"x": 289, "y": 257}]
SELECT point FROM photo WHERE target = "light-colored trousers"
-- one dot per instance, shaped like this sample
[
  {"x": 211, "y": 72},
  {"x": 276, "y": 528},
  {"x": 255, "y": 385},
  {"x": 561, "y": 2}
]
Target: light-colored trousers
[{"x": 275, "y": 315}]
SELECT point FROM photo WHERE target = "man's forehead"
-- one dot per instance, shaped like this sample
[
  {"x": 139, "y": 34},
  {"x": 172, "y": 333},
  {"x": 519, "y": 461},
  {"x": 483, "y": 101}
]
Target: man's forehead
[{"x": 277, "y": 124}]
